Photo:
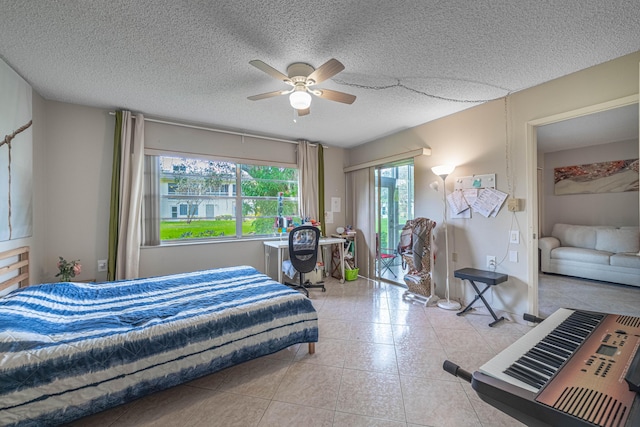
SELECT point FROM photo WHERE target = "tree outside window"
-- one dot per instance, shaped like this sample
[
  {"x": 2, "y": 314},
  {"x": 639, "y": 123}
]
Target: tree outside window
[{"x": 187, "y": 184}]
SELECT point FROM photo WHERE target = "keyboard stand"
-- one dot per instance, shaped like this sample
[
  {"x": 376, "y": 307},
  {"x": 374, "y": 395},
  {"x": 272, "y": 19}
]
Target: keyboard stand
[{"x": 490, "y": 278}]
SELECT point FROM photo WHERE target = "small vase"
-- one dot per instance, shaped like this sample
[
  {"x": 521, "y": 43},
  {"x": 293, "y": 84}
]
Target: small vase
[{"x": 65, "y": 278}]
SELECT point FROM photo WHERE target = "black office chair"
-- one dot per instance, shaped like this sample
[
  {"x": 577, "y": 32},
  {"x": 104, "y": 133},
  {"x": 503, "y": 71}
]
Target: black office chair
[{"x": 303, "y": 254}]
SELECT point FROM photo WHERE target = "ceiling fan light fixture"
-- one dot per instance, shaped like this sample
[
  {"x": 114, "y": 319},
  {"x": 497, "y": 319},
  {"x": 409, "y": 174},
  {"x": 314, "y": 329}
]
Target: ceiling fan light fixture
[
  {"x": 300, "y": 77},
  {"x": 300, "y": 99}
]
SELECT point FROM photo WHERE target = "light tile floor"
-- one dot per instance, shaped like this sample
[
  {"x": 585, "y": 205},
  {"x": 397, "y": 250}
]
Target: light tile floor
[
  {"x": 557, "y": 291},
  {"x": 378, "y": 363}
]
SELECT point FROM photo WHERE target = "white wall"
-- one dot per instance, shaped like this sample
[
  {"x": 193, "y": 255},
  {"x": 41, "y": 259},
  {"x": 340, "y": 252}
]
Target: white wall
[
  {"x": 474, "y": 141},
  {"x": 72, "y": 179},
  {"x": 485, "y": 140},
  {"x": 334, "y": 163},
  {"x": 73, "y": 147},
  {"x": 617, "y": 209},
  {"x": 75, "y": 177}
]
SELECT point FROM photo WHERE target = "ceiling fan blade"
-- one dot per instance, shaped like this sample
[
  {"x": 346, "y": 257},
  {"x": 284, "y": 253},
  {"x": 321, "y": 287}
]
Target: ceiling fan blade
[
  {"x": 268, "y": 95},
  {"x": 334, "y": 95},
  {"x": 304, "y": 112},
  {"x": 270, "y": 70},
  {"x": 326, "y": 71}
]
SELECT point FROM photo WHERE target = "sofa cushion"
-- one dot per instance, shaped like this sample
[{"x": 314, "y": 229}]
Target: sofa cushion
[
  {"x": 590, "y": 256},
  {"x": 630, "y": 260},
  {"x": 618, "y": 240},
  {"x": 579, "y": 236}
]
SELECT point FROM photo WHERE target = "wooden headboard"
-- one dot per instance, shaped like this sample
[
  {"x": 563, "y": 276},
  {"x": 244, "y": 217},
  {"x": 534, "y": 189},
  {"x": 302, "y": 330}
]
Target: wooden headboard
[{"x": 21, "y": 266}]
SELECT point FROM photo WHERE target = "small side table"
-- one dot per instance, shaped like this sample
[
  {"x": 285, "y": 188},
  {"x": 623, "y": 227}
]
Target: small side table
[
  {"x": 490, "y": 278},
  {"x": 349, "y": 249}
]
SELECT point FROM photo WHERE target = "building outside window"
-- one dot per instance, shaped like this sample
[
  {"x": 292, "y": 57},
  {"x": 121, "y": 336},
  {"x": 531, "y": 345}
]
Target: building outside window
[{"x": 198, "y": 198}]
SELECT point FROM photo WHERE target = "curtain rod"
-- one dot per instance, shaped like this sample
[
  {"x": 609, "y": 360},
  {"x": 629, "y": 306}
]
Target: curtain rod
[
  {"x": 166, "y": 122},
  {"x": 389, "y": 159}
]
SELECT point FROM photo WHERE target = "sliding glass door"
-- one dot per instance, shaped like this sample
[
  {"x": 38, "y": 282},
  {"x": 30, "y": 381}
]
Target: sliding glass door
[{"x": 394, "y": 200}]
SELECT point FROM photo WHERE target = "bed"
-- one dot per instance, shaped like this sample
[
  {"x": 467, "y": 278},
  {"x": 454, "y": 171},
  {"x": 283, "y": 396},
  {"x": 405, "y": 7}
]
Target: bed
[{"x": 71, "y": 349}]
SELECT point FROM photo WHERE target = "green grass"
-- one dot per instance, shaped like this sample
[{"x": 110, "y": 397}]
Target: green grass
[
  {"x": 174, "y": 230},
  {"x": 384, "y": 237}
]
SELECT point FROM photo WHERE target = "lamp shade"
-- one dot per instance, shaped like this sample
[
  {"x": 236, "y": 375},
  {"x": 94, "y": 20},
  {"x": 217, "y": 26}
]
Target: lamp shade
[
  {"x": 300, "y": 100},
  {"x": 443, "y": 169}
]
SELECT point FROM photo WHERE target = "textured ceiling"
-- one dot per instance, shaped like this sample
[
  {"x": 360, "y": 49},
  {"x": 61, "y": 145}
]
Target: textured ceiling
[{"x": 408, "y": 62}]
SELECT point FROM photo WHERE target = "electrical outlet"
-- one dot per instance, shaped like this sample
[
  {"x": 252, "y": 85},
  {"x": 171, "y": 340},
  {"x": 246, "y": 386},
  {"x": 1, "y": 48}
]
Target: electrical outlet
[
  {"x": 514, "y": 236},
  {"x": 513, "y": 256},
  {"x": 102, "y": 265},
  {"x": 454, "y": 257},
  {"x": 491, "y": 262}
]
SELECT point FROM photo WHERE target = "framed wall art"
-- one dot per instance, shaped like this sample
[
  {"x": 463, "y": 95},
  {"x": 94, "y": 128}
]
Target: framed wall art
[
  {"x": 604, "y": 177},
  {"x": 16, "y": 155}
]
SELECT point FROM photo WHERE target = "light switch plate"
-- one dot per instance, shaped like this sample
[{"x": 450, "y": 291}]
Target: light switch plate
[
  {"x": 335, "y": 204},
  {"x": 514, "y": 236}
]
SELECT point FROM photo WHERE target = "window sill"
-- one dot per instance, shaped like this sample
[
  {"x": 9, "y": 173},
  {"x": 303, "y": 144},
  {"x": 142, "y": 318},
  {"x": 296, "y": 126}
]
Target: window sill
[{"x": 210, "y": 242}]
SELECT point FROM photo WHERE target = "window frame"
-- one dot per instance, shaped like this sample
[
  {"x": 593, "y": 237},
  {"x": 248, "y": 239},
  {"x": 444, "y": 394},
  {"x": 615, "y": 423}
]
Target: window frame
[{"x": 234, "y": 191}]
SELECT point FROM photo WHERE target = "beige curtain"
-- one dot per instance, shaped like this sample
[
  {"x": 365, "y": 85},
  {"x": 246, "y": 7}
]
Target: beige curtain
[
  {"x": 130, "y": 215},
  {"x": 360, "y": 214},
  {"x": 151, "y": 204},
  {"x": 308, "y": 180}
]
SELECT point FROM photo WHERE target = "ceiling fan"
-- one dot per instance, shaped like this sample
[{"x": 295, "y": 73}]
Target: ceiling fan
[{"x": 301, "y": 77}]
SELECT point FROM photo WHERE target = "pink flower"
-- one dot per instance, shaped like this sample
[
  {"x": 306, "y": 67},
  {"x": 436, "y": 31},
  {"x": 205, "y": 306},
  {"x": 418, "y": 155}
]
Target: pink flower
[{"x": 68, "y": 269}]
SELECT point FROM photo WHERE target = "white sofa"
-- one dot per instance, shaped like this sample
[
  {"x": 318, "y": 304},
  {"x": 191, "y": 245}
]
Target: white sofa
[{"x": 602, "y": 253}]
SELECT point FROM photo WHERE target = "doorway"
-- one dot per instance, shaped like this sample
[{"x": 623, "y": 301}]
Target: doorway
[
  {"x": 394, "y": 200},
  {"x": 542, "y": 134}
]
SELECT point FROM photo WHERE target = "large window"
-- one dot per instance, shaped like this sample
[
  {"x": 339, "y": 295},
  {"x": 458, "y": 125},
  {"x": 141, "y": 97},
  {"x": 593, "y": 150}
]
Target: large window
[{"x": 198, "y": 198}]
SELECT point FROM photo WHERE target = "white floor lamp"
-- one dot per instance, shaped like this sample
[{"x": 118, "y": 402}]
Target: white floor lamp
[{"x": 443, "y": 171}]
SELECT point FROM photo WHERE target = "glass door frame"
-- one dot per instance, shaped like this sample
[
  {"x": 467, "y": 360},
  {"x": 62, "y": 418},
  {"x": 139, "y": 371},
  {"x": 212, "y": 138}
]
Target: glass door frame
[{"x": 393, "y": 199}]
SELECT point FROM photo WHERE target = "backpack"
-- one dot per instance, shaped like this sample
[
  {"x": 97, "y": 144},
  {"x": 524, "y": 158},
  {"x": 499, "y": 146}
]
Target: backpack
[{"x": 414, "y": 243}]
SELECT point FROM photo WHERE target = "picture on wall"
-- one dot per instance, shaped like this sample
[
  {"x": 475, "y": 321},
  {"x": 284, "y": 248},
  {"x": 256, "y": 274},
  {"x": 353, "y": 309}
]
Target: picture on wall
[
  {"x": 604, "y": 177},
  {"x": 15, "y": 155}
]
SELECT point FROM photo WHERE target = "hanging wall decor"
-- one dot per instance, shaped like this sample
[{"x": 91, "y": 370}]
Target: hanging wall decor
[
  {"x": 15, "y": 155},
  {"x": 604, "y": 177}
]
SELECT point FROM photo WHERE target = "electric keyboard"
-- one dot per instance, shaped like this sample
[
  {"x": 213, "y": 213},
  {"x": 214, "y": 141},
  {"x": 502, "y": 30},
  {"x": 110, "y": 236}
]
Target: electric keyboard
[{"x": 576, "y": 368}]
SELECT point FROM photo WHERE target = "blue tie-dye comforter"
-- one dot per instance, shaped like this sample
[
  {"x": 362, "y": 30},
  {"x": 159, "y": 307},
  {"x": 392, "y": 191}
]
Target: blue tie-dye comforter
[{"x": 71, "y": 349}]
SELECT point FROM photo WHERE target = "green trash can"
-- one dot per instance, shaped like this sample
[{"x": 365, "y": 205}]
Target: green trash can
[{"x": 351, "y": 275}]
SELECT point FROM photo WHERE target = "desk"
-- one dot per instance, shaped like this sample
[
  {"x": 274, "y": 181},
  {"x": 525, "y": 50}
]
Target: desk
[
  {"x": 281, "y": 245},
  {"x": 490, "y": 278}
]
